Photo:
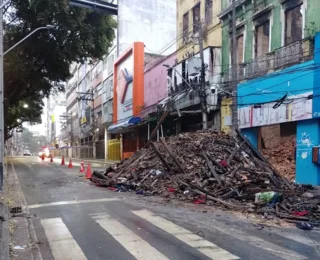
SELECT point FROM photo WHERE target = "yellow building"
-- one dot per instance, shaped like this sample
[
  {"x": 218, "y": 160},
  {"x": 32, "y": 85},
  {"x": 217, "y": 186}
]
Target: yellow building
[{"x": 190, "y": 14}]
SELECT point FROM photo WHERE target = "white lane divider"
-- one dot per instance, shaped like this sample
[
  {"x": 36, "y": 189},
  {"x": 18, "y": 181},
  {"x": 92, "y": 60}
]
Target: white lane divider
[
  {"x": 136, "y": 246},
  {"x": 205, "y": 247},
  {"x": 62, "y": 244},
  {"x": 71, "y": 202}
]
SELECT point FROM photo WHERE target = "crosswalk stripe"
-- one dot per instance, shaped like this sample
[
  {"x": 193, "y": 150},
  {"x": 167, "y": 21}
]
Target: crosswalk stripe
[
  {"x": 280, "y": 251},
  {"x": 136, "y": 246},
  {"x": 205, "y": 247},
  {"x": 63, "y": 246},
  {"x": 70, "y": 202}
]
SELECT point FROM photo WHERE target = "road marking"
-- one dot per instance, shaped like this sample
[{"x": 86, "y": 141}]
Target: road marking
[
  {"x": 59, "y": 203},
  {"x": 136, "y": 246},
  {"x": 205, "y": 247},
  {"x": 62, "y": 244},
  {"x": 279, "y": 251}
]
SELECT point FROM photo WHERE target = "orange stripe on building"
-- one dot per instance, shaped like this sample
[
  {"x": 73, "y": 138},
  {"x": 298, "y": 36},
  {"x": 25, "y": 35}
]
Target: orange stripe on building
[{"x": 137, "y": 50}]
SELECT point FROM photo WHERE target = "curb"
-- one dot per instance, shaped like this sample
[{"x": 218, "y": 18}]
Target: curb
[
  {"x": 91, "y": 161},
  {"x": 4, "y": 225}
]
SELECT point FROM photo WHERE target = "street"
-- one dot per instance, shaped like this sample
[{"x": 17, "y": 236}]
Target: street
[{"x": 73, "y": 219}]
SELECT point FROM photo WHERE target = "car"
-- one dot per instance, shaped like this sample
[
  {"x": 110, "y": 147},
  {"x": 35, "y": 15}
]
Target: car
[
  {"x": 45, "y": 153},
  {"x": 26, "y": 153}
]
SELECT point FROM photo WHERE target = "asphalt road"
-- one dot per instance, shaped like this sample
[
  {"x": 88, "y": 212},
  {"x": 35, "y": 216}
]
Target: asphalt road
[{"x": 74, "y": 219}]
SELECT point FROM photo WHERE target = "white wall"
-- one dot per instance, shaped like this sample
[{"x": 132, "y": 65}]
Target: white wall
[{"x": 150, "y": 21}]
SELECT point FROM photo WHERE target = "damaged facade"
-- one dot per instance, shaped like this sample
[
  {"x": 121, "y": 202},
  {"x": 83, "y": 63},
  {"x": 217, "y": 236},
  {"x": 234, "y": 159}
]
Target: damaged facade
[{"x": 277, "y": 74}]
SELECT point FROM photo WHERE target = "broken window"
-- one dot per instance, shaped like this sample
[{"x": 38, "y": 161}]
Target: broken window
[
  {"x": 196, "y": 18},
  {"x": 262, "y": 33},
  {"x": 293, "y": 24},
  {"x": 208, "y": 10},
  {"x": 185, "y": 27}
]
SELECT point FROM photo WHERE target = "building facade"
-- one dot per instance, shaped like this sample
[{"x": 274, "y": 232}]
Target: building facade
[
  {"x": 269, "y": 35},
  {"x": 190, "y": 16},
  {"x": 276, "y": 76}
]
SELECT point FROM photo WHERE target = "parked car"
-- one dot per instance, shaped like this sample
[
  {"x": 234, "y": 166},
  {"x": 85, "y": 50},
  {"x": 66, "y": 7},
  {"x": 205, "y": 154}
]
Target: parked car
[{"x": 26, "y": 153}]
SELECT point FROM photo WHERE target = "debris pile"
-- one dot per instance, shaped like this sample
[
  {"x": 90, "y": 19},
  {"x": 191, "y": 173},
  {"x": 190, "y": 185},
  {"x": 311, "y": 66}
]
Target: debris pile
[
  {"x": 282, "y": 157},
  {"x": 210, "y": 167}
]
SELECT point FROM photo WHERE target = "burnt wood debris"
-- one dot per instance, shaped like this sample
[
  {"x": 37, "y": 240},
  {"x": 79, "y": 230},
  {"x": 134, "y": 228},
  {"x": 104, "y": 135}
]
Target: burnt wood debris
[{"x": 213, "y": 168}]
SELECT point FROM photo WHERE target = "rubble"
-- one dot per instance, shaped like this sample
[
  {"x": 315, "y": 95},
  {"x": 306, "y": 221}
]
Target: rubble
[
  {"x": 282, "y": 157},
  {"x": 210, "y": 166}
]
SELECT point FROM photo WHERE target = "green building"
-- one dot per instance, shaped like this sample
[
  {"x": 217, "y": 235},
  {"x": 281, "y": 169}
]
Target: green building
[{"x": 271, "y": 35}]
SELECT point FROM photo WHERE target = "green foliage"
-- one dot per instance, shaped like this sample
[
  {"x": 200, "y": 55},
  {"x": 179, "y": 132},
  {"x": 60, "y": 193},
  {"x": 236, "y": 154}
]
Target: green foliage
[
  {"x": 41, "y": 63},
  {"x": 31, "y": 141}
]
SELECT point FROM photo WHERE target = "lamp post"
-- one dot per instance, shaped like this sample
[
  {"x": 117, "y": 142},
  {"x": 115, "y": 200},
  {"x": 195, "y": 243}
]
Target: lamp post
[
  {"x": 2, "y": 146},
  {"x": 30, "y": 34}
]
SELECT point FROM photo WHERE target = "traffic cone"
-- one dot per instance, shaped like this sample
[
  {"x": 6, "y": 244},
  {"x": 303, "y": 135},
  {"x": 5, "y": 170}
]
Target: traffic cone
[
  {"x": 82, "y": 167},
  {"x": 51, "y": 159},
  {"x": 42, "y": 157},
  {"x": 89, "y": 173},
  {"x": 70, "y": 164},
  {"x": 62, "y": 161}
]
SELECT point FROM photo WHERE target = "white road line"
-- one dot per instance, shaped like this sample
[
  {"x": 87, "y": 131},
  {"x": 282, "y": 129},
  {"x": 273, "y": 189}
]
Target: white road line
[
  {"x": 306, "y": 240},
  {"x": 205, "y": 247},
  {"x": 59, "y": 203},
  {"x": 280, "y": 251},
  {"x": 136, "y": 246},
  {"x": 62, "y": 244}
]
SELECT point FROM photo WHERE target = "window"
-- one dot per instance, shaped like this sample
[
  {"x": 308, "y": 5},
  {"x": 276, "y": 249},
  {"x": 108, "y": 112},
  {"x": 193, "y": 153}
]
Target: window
[
  {"x": 110, "y": 63},
  {"x": 262, "y": 33},
  {"x": 185, "y": 27},
  {"x": 293, "y": 24},
  {"x": 98, "y": 91},
  {"x": 196, "y": 18},
  {"x": 208, "y": 10},
  {"x": 240, "y": 48}
]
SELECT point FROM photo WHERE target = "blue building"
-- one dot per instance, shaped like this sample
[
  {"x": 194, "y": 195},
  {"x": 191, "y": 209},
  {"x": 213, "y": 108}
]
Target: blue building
[{"x": 289, "y": 97}]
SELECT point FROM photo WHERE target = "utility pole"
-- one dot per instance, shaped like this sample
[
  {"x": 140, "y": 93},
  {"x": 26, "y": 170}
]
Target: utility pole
[
  {"x": 2, "y": 146},
  {"x": 203, "y": 93},
  {"x": 234, "y": 70},
  {"x": 89, "y": 96},
  {"x": 94, "y": 148}
]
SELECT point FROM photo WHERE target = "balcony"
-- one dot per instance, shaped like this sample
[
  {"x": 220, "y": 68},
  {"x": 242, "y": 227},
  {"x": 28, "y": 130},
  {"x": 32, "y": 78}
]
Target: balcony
[{"x": 294, "y": 53}]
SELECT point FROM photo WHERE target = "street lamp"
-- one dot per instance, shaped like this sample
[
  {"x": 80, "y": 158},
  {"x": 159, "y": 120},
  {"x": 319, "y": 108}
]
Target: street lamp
[
  {"x": 48, "y": 27},
  {"x": 25, "y": 106},
  {"x": 2, "y": 4}
]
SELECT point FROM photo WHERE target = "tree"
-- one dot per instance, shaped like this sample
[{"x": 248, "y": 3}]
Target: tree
[{"x": 41, "y": 64}]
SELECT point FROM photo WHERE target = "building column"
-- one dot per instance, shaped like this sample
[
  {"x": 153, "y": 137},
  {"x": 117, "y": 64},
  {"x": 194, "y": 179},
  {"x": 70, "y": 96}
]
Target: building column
[{"x": 308, "y": 132}]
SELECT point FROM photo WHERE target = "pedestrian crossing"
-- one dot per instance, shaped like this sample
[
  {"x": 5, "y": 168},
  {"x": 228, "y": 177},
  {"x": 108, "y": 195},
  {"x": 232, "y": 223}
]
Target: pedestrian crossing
[{"x": 65, "y": 247}]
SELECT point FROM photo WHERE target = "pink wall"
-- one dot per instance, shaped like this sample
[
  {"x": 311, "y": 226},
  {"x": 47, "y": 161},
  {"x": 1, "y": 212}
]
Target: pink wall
[{"x": 155, "y": 82}]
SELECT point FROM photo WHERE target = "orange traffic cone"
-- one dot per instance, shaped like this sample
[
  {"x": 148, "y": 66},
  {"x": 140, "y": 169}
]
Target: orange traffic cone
[
  {"x": 89, "y": 173},
  {"x": 42, "y": 157},
  {"x": 62, "y": 161},
  {"x": 70, "y": 164},
  {"x": 82, "y": 167},
  {"x": 51, "y": 158}
]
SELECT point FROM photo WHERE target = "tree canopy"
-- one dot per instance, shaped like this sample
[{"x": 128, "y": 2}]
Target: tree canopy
[{"x": 41, "y": 63}]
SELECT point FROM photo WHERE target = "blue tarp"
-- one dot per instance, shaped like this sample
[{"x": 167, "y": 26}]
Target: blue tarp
[{"x": 124, "y": 124}]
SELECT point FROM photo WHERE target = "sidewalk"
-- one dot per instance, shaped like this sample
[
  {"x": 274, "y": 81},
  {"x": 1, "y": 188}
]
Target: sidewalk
[
  {"x": 92, "y": 161},
  {"x": 4, "y": 222}
]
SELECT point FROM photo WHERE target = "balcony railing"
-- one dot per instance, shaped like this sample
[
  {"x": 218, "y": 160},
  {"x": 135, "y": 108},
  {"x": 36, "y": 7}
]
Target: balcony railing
[{"x": 278, "y": 59}]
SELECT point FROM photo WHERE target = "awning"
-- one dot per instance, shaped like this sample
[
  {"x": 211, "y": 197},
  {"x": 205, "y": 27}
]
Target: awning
[{"x": 124, "y": 124}]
